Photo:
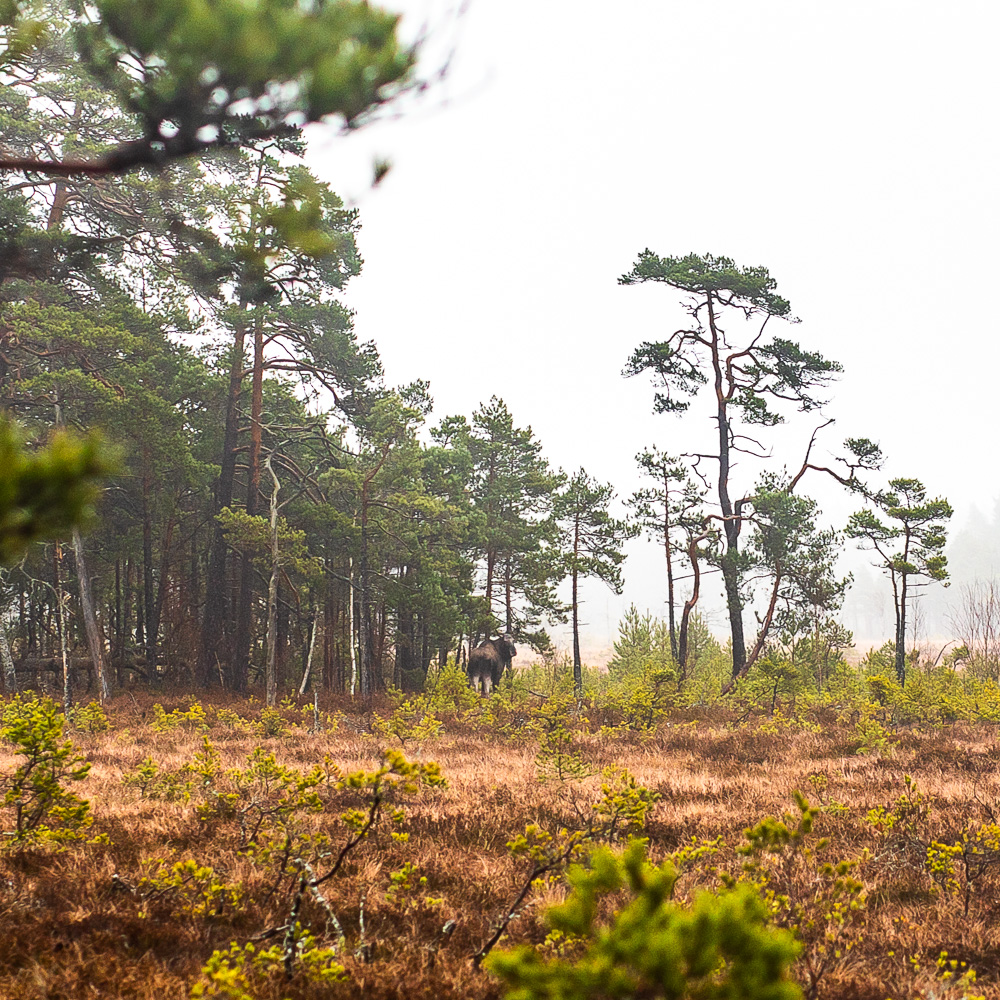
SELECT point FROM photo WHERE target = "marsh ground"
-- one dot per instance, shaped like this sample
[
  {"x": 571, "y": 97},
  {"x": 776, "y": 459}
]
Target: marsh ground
[{"x": 81, "y": 922}]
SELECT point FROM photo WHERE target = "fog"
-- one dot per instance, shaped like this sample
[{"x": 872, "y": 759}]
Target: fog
[{"x": 848, "y": 148}]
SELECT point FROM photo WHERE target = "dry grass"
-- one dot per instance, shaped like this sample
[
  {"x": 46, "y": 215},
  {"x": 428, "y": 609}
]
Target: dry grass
[{"x": 70, "y": 929}]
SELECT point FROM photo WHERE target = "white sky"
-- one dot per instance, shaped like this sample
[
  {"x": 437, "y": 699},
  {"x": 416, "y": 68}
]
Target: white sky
[{"x": 850, "y": 148}]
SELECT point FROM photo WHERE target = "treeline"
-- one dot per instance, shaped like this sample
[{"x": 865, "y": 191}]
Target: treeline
[{"x": 277, "y": 510}]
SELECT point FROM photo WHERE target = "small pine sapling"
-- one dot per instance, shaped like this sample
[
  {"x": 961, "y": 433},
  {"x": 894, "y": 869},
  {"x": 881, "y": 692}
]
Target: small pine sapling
[
  {"x": 719, "y": 946},
  {"x": 36, "y": 794},
  {"x": 821, "y": 903}
]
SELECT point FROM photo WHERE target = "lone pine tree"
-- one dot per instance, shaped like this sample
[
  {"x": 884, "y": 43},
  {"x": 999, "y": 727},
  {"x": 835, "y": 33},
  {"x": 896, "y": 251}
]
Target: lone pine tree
[
  {"x": 908, "y": 539},
  {"x": 749, "y": 376}
]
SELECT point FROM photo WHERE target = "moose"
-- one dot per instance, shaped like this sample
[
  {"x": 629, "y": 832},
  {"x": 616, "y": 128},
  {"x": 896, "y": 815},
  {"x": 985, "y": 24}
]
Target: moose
[{"x": 488, "y": 661}]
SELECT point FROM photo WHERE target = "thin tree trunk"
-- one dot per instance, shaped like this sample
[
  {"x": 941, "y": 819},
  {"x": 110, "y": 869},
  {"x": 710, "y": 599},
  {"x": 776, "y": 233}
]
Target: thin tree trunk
[
  {"x": 689, "y": 605},
  {"x": 161, "y": 595},
  {"x": 61, "y": 620},
  {"x": 271, "y": 674},
  {"x": 312, "y": 646},
  {"x": 765, "y": 627},
  {"x": 901, "y": 633},
  {"x": 244, "y": 612},
  {"x": 365, "y": 636},
  {"x": 350, "y": 625},
  {"x": 508, "y": 571},
  {"x": 490, "y": 566},
  {"x": 152, "y": 626},
  {"x": 577, "y": 661},
  {"x": 215, "y": 583},
  {"x": 116, "y": 648},
  {"x": 425, "y": 646},
  {"x": 9, "y": 677},
  {"x": 670, "y": 567},
  {"x": 95, "y": 642},
  {"x": 127, "y": 610}
]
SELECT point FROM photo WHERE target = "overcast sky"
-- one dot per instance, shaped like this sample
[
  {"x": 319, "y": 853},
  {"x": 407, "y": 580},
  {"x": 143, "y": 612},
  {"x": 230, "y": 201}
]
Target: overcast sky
[{"x": 850, "y": 148}]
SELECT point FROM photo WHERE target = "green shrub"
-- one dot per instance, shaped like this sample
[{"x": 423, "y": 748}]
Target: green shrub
[
  {"x": 238, "y": 973},
  {"x": 89, "y": 718},
  {"x": 718, "y": 947},
  {"x": 42, "y": 807},
  {"x": 192, "y": 717}
]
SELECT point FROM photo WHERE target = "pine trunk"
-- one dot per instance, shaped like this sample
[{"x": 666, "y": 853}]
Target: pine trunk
[
  {"x": 730, "y": 558},
  {"x": 241, "y": 666},
  {"x": 215, "y": 582},
  {"x": 271, "y": 676}
]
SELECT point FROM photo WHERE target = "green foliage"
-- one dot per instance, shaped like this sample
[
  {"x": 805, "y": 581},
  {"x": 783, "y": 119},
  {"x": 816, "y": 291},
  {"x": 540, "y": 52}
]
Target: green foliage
[
  {"x": 513, "y": 490},
  {"x": 46, "y": 492},
  {"x": 251, "y": 535},
  {"x": 623, "y": 807},
  {"x": 755, "y": 379},
  {"x": 947, "y": 979},
  {"x": 271, "y": 797},
  {"x": 192, "y": 717},
  {"x": 719, "y": 946},
  {"x": 188, "y": 889},
  {"x": 447, "y": 690},
  {"x": 774, "y": 678},
  {"x": 153, "y": 783},
  {"x": 272, "y": 723},
  {"x": 241, "y": 972},
  {"x": 907, "y": 815},
  {"x": 43, "y": 809},
  {"x": 90, "y": 718},
  {"x": 639, "y": 701},
  {"x": 558, "y": 758},
  {"x": 409, "y": 721},
  {"x": 642, "y": 681},
  {"x": 828, "y": 918},
  {"x": 960, "y": 868},
  {"x": 643, "y": 644},
  {"x": 906, "y": 531},
  {"x": 873, "y": 737},
  {"x": 196, "y": 78},
  {"x": 407, "y": 889}
]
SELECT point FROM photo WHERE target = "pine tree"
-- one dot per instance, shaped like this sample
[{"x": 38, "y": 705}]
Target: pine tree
[
  {"x": 670, "y": 511},
  {"x": 909, "y": 539},
  {"x": 513, "y": 489},
  {"x": 593, "y": 543},
  {"x": 751, "y": 379}
]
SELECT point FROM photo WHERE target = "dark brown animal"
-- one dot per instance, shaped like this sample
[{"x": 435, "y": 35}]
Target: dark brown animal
[{"x": 488, "y": 661}]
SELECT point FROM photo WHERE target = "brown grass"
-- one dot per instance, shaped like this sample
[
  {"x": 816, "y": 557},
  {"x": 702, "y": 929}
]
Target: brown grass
[{"x": 69, "y": 929}]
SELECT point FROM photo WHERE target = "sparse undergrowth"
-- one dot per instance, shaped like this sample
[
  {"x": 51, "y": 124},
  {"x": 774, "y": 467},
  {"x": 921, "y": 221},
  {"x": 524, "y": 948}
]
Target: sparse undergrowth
[{"x": 203, "y": 848}]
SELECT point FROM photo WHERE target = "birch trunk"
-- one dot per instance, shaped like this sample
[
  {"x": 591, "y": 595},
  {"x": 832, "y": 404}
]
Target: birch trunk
[
  {"x": 61, "y": 602},
  {"x": 312, "y": 648},
  {"x": 9, "y": 677},
  {"x": 95, "y": 642}
]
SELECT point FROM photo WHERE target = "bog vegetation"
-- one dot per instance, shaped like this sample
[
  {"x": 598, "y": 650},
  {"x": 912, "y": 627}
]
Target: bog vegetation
[{"x": 241, "y": 576}]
